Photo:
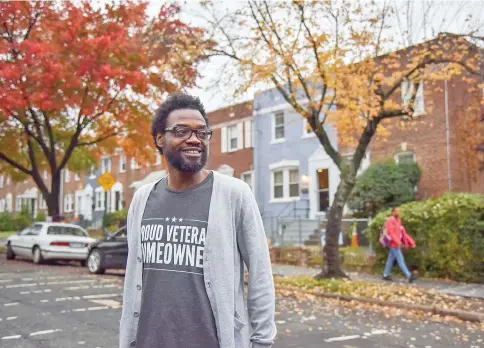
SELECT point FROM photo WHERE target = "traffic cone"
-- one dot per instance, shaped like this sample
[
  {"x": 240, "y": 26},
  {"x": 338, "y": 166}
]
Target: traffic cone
[{"x": 354, "y": 239}]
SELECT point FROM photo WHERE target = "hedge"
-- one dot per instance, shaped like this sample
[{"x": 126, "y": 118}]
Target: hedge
[{"x": 449, "y": 232}]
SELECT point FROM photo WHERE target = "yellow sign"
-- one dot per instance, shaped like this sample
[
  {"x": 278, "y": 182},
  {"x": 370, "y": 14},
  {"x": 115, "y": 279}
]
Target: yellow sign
[{"x": 106, "y": 180}]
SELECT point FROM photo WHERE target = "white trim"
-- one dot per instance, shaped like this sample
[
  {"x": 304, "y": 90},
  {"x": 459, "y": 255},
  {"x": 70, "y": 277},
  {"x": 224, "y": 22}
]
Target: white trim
[
  {"x": 285, "y": 184},
  {"x": 223, "y": 140},
  {"x": 249, "y": 134},
  {"x": 231, "y": 122},
  {"x": 122, "y": 161},
  {"x": 97, "y": 191},
  {"x": 233, "y": 133},
  {"x": 280, "y": 107},
  {"x": 67, "y": 175},
  {"x": 284, "y": 164},
  {"x": 103, "y": 168},
  {"x": 305, "y": 134},
  {"x": 284, "y": 200},
  {"x": 396, "y": 156},
  {"x": 251, "y": 172},
  {"x": 226, "y": 170},
  {"x": 273, "y": 128}
]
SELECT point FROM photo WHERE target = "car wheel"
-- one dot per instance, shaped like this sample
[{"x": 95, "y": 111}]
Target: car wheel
[
  {"x": 95, "y": 262},
  {"x": 10, "y": 253},
  {"x": 37, "y": 255}
]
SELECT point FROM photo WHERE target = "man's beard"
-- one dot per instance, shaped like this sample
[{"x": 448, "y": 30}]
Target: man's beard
[{"x": 175, "y": 158}]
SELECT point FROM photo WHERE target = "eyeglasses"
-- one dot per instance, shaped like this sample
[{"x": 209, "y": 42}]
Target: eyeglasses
[{"x": 185, "y": 133}]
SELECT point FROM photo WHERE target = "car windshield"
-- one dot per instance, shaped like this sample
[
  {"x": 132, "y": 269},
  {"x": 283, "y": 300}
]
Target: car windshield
[
  {"x": 121, "y": 234},
  {"x": 67, "y": 231}
]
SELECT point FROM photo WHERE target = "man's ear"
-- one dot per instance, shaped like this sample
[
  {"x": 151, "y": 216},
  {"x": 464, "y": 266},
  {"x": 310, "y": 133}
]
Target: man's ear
[{"x": 160, "y": 140}]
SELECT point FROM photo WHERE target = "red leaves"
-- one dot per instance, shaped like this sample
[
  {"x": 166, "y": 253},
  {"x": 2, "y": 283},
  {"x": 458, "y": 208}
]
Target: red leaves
[{"x": 73, "y": 59}]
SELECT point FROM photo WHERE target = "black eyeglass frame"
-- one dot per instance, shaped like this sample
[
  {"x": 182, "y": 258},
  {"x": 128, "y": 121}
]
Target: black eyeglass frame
[{"x": 192, "y": 130}]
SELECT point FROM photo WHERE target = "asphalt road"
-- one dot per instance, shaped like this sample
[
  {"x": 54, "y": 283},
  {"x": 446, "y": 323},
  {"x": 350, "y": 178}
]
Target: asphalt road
[{"x": 62, "y": 306}]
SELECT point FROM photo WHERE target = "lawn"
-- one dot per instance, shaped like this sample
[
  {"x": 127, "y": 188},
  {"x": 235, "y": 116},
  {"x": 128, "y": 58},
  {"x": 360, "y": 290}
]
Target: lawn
[{"x": 5, "y": 234}]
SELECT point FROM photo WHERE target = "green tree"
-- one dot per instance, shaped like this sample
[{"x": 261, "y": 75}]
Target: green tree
[{"x": 384, "y": 185}]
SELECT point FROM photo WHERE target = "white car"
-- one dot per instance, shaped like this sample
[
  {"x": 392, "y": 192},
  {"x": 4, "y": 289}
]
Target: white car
[{"x": 50, "y": 241}]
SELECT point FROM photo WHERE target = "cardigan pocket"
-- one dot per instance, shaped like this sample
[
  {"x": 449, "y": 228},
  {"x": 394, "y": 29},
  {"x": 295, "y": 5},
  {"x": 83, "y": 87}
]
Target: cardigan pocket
[{"x": 239, "y": 323}]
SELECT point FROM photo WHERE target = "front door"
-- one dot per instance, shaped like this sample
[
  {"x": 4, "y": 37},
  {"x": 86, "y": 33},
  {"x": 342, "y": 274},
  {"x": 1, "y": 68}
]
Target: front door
[{"x": 323, "y": 189}]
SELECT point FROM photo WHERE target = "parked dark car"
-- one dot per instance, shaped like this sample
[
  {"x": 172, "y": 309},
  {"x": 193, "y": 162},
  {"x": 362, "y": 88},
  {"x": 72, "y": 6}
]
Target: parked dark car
[{"x": 109, "y": 252}]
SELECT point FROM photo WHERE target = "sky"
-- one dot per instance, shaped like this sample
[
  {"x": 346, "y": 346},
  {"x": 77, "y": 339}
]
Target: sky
[{"x": 444, "y": 16}]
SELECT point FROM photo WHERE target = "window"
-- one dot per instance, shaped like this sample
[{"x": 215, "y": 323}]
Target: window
[
  {"x": 66, "y": 231},
  {"x": 68, "y": 203},
  {"x": 279, "y": 126},
  {"x": 45, "y": 175},
  {"x": 408, "y": 89},
  {"x": 134, "y": 164},
  {"x": 76, "y": 177},
  {"x": 278, "y": 184},
  {"x": 294, "y": 183},
  {"x": 122, "y": 233},
  {"x": 7, "y": 181},
  {"x": 92, "y": 172},
  {"x": 247, "y": 178},
  {"x": 405, "y": 157},
  {"x": 122, "y": 163},
  {"x": 18, "y": 204},
  {"x": 307, "y": 130},
  {"x": 67, "y": 175},
  {"x": 285, "y": 182},
  {"x": 158, "y": 159},
  {"x": 99, "y": 199},
  {"x": 232, "y": 137},
  {"x": 323, "y": 189},
  {"x": 42, "y": 203},
  {"x": 35, "y": 230},
  {"x": 2, "y": 205},
  {"x": 105, "y": 165},
  {"x": 1, "y": 181}
]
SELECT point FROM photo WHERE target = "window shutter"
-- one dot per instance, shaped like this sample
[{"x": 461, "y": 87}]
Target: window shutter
[
  {"x": 224, "y": 139},
  {"x": 240, "y": 136},
  {"x": 248, "y": 134}
]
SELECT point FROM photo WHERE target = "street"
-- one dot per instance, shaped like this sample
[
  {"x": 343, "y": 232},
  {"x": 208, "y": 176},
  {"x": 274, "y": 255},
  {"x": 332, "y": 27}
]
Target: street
[{"x": 61, "y": 305}]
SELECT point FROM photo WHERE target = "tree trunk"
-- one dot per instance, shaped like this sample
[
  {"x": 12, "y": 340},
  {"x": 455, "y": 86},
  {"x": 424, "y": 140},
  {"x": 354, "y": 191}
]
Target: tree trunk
[
  {"x": 53, "y": 200},
  {"x": 331, "y": 267}
]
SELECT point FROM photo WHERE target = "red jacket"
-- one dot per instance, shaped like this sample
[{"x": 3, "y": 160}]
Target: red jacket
[{"x": 397, "y": 233}]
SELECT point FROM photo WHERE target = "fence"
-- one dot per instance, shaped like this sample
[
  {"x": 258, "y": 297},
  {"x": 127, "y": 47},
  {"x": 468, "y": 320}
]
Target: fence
[
  {"x": 299, "y": 231},
  {"x": 299, "y": 240}
]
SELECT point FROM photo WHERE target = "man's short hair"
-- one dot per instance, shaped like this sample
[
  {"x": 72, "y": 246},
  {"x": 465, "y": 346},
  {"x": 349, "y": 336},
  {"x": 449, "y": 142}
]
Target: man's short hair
[{"x": 176, "y": 101}]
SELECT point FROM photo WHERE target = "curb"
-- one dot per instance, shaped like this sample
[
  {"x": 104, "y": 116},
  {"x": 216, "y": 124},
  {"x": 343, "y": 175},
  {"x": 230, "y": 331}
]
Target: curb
[{"x": 463, "y": 315}]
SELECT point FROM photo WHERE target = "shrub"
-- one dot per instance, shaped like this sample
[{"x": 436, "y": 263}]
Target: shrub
[
  {"x": 22, "y": 219},
  {"x": 40, "y": 216},
  {"x": 449, "y": 232},
  {"x": 384, "y": 185},
  {"x": 117, "y": 218},
  {"x": 6, "y": 221}
]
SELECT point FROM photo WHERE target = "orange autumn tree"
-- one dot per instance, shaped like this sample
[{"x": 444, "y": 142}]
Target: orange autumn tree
[
  {"x": 77, "y": 81},
  {"x": 335, "y": 63}
]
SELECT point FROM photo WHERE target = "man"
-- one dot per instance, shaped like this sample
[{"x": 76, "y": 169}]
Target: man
[
  {"x": 398, "y": 237},
  {"x": 189, "y": 236}
]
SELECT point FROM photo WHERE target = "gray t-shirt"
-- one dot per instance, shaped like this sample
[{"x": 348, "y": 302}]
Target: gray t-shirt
[{"x": 175, "y": 310}]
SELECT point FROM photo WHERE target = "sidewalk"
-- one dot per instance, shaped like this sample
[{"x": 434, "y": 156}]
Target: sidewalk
[{"x": 446, "y": 287}]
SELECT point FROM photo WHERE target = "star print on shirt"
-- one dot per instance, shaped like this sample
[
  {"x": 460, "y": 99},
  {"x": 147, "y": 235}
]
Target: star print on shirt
[
  {"x": 167, "y": 219},
  {"x": 180, "y": 220},
  {"x": 174, "y": 219}
]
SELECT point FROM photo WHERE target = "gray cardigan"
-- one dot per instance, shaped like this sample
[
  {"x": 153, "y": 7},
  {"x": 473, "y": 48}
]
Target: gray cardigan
[{"x": 235, "y": 236}]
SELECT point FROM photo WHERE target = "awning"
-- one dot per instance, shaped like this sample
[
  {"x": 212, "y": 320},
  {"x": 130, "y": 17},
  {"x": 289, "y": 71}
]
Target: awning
[{"x": 151, "y": 177}]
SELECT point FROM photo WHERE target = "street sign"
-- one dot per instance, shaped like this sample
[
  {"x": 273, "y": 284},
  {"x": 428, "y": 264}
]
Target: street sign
[{"x": 106, "y": 180}]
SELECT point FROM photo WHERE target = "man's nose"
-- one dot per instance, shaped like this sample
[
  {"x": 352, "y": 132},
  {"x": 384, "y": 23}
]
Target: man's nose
[{"x": 193, "y": 139}]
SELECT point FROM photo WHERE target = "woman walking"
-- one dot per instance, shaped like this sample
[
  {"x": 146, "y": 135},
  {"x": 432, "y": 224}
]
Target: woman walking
[{"x": 398, "y": 236}]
